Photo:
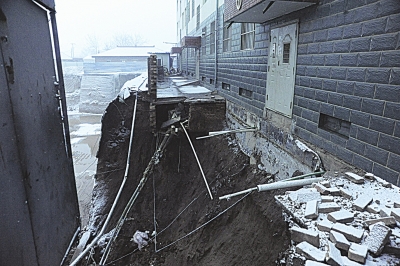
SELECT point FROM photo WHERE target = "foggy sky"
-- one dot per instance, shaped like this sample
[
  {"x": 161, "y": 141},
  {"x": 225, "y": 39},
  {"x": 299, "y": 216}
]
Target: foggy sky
[{"x": 77, "y": 20}]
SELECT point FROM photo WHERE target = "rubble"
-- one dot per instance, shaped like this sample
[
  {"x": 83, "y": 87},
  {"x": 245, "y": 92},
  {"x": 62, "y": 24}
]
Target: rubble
[
  {"x": 378, "y": 237},
  {"x": 310, "y": 252},
  {"x": 300, "y": 235},
  {"x": 358, "y": 252},
  {"x": 358, "y": 226}
]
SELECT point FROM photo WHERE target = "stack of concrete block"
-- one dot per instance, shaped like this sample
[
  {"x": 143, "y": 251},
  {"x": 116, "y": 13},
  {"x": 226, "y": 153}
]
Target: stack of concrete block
[{"x": 345, "y": 219}]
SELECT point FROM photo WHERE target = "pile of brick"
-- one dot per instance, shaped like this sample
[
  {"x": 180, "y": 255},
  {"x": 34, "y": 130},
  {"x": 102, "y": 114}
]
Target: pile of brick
[{"x": 346, "y": 220}]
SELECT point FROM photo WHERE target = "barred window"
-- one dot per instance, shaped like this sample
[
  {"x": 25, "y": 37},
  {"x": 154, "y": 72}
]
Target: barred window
[
  {"x": 198, "y": 18},
  {"x": 227, "y": 35},
  {"x": 247, "y": 36},
  {"x": 203, "y": 41},
  {"x": 212, "y": 38}
]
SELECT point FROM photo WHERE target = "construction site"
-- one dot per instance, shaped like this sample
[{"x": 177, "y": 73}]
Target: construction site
[{"x": 186, "y": 167}]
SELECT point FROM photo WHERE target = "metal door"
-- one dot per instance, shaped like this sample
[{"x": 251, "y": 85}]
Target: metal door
[{"x": 281, "y": 69}]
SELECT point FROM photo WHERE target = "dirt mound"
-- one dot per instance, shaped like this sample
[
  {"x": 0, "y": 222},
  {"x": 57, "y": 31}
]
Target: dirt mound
[{"x": 191, "y": 229}]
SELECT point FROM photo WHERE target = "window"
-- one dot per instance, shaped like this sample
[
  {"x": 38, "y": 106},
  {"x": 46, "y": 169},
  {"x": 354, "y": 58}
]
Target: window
[
  {"x": 247, "y": 36},
  {"x": 335, "y": 125},
  {"x": 193, "y": 7},
  {"x": 227, "y": 32},
  {"x": 203, "y": 78},
  {"x": 212, "y": 38},
  {"x": 246, "y": 93},
  {"x": 198, "y": 18},
  {"x": 226, "y": 86},
  {"x": 203, "y": 41},
  {"x": 212, "y": 81},
  {"x": 286, "y": 53}
]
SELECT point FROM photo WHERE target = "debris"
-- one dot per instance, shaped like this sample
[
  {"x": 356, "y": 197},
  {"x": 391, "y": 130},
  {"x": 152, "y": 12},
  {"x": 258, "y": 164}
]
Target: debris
[
  {"x": 389, "y": 221},
  {"x": 377, "y": 239},
  {"x": 333, "y": 256},
  {"x": 342, "y": 216},
  {"x": 311, "y": 209},
  {"x": 396, "y": 214},
  {"x": 354, "y": 178},
  {"x": 310, "y": 252},
  {"x": 361, "y": 202},
  {"x": 358, "y": 252},
  {"x": 345, "y": 193},
  {"x": 327, "y": 207},
  {"x": 141, "y": 239},
  {"x": 325, "y": 225},
  {"x": 351, "y": 233},
  {"x": 326, "y": 198},
  {"x": 300, "y": 235},
  {"x": 339, "y": 240}
]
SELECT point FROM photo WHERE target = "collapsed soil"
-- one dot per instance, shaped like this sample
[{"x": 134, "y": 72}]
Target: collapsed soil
[{"x": 252, "y": 232}]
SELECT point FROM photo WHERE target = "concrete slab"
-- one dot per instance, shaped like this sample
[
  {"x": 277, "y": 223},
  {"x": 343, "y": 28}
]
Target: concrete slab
[
  {"x": 311, "y": 211},
  {"x": 342, "y": 216},
  {"x": 325, "y": 225},
  {"x": 354, "y": 178},
  {"x": 327, "y": 207},
  {"x": 358, "y": 252},
  {"x": 350, "y": 232},
  {"x": 362, "y": 202},
  {"x": 327, "y": 198},
  {"x": 346, "y": 193},
  {"x": 388, "y": 221},
  {"x": 300, "y": 235},
  {"x": 333, "y": 256},
  {"x": 396, "y": 214},
  {"x": 339, "y": 240},
  {"x": 334, "y": 191},
  {"x": 321, "y": 188},
  {"x": 310, "y": 252},
  {"x": 378, "y": 237}
]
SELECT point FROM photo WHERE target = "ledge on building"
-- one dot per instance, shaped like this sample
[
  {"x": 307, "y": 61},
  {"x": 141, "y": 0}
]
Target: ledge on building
[{"x": 262, "y": 10}]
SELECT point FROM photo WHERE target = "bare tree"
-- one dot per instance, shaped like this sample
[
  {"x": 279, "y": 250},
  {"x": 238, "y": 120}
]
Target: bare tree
[
  {"x": 124, "y": 39},
  {"x": 92, "y": 45}
]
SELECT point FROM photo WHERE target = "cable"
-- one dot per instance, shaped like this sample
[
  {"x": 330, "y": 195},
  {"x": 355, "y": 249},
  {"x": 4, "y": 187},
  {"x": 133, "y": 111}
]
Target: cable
[{"x": 201, "y": 226}]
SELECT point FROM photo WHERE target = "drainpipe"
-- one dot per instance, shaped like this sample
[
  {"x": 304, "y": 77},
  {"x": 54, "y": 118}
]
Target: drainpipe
[{"x": 215, "y": 43}]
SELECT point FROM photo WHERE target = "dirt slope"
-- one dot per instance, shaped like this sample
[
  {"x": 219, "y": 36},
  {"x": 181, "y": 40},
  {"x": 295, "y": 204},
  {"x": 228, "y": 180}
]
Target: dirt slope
[{"x": 252, "y": 232}]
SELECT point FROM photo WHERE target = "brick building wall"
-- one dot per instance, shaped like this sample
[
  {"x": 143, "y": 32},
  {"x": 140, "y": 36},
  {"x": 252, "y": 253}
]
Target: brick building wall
[{"x": 348, "y": 68}]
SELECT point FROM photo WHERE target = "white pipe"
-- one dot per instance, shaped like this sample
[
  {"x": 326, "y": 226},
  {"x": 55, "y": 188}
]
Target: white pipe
[
  {"x": 295, "y": 183},
  {"x": 197, "y": 159},
  {"x": 87, "y": 249},
  {"x": 275, "y": 185},
  {"x": 237, "y": 193},
  {"x": 218, "y": 133}
]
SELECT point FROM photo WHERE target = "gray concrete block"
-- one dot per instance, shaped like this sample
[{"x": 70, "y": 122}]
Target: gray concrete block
[
  {"x": 313, "y": 263},
  {"x": 385, "y": 212},
  {"x": 350, "y": 232},
  {"x": 325, "y": 225},
  {"x": 327, "y": 207},
  {"x": 326, "y": 199},
  {"x": 373, "y": 208},
  {"x": 300, "y": 235},
  {"x": 346, "y": 193},
  {"x": 396, "y": 214},
  {"x": 362, "y": 202},
  {"x": 321, "y": 188},
  {"x": 388, "y": 221},
  {"x": 334, "y": 191},
  {"x": 333, "y": 256},
  {"x": 339, "y": 240},
  {"x": 358, "y": 252},
  {"x": 354, "y": 178},
  {"x": 342, "y": 216},
  {"x": 310, "y": 252},
  {"x": 378, "y": 237},
  {"x": 311, "y": 211}
]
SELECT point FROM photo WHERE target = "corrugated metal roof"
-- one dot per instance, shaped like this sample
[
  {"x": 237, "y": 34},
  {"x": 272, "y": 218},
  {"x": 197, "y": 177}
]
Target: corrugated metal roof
[{"x": 128, "y": 51}]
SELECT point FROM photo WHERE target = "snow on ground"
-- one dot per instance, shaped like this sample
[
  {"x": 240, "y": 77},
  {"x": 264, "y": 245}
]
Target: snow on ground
[
  {"x": 382, "y": 200},
  {"x": 137, "y": 83},
  {"x": 87, "y": 130},
  {"x": 193, "y": 89}
]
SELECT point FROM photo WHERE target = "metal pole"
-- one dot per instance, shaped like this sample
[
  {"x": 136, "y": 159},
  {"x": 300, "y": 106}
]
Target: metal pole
[{"x": 197, "y": 159}]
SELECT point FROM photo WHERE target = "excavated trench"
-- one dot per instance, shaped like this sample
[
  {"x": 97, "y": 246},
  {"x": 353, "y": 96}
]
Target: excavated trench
[{"x": 191, "y": 228}]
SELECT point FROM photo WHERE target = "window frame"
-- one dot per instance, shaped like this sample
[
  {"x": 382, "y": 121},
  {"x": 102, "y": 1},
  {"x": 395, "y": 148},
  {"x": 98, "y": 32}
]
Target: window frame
[{"x": 247, "y": 36}]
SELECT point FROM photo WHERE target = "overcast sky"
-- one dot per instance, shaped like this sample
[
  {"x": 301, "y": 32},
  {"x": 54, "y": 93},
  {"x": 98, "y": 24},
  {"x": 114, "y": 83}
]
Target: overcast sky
[{"x": 153, "y": 20}]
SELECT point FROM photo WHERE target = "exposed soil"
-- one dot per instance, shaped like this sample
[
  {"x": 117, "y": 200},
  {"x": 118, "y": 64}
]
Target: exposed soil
[{"x": 252, "y": 232}]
